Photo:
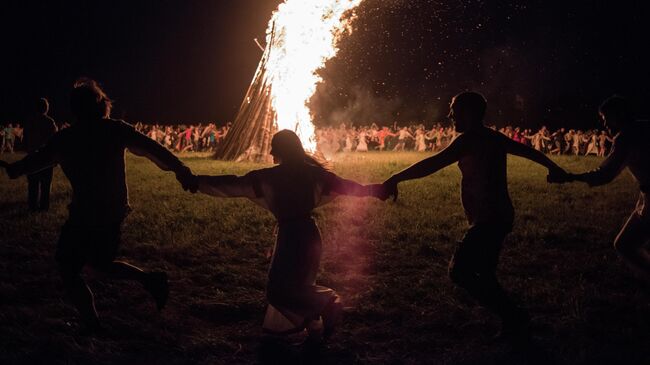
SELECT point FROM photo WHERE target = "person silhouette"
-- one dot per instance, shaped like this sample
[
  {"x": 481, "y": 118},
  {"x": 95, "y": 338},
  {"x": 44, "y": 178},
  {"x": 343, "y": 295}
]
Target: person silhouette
[
  {"x": 39, "y": 128},
  {"x": 481, "y": 155},
  {"x": 290, "y": 191},
  {"x": 91, "y": 154},
  {"x": 630, "y": 149}
]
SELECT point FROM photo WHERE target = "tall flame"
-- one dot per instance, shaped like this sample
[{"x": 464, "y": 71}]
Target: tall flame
[{"x": 302, "y": 35}]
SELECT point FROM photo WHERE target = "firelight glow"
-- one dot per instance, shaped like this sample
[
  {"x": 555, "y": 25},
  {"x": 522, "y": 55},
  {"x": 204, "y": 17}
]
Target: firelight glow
[{"x": 302, "y": 35}]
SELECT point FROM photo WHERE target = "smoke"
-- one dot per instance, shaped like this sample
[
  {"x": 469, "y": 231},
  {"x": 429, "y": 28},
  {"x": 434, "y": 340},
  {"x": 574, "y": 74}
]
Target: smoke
[{"x": 360, "y": 105}]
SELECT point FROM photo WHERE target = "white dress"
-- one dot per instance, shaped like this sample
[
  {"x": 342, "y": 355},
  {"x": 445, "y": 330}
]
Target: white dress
[
  {"x": 363, "y": 145},
  {"x": 420, "y": 144}
]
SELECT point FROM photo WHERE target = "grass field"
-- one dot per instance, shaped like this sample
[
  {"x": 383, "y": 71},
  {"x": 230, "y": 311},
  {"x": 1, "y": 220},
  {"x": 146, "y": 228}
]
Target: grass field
[{"x": 387, "y": 260}]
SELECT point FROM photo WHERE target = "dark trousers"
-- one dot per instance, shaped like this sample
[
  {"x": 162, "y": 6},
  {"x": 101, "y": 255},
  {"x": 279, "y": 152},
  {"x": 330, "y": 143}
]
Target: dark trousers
[
  {"x": 38, "y": 189},
  {"x": 473, "y": 267}
]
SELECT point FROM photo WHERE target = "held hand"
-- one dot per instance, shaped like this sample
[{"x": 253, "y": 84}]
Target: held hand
[
  {"x": 10, "y": 171},
  {"x": 559, "y": 176},
  {"x": 377, "y": 191},
  {"x": 189, "y": 181},
  {"x": 390, "y": 189}
]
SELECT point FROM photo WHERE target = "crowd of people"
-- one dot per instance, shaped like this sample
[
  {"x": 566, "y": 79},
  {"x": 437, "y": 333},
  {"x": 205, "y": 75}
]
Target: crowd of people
[{"x": 416, "y": 137}]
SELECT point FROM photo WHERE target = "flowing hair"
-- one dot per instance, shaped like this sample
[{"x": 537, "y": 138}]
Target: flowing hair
[
  {"x": 287, "y": 146},
  {"x": 89, "y": 101}
]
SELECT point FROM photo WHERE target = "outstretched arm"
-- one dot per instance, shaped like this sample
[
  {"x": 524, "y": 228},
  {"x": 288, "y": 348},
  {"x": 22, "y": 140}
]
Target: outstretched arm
[
  {"x": 230, "y": 186},
  {"x": 428, "y": 166},
  {"x": 610, "y": 168},
  {"x": 141, "y": 145},
  {"x": 431, "y": 164},
  {"x": 521, "y": 150},
  {"x": 341, "y": 186},
  {"x": 45, "y": 157}
]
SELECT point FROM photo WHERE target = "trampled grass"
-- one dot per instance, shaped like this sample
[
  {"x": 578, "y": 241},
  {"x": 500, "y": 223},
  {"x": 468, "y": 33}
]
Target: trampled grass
[{"x": 387, "y": 260}]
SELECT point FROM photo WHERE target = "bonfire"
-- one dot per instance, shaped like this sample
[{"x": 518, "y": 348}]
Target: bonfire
[{"x": 302, "y": 35}]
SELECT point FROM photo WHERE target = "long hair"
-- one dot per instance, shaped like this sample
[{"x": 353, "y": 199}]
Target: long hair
[
  {"x": 88, "y": 101},
  {"x": 287, "y": 147}
]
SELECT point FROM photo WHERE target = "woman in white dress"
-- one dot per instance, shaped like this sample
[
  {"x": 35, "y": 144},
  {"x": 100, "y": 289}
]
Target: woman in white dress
[
  {"x": 420, "y": 142},
  {"x": 348, "y": 141},
  {"x": 362, "y": 146}
]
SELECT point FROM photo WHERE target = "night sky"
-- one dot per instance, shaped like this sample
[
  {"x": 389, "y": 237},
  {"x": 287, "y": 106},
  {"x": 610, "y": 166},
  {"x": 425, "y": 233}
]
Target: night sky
[{"x": 537, "y": 62}]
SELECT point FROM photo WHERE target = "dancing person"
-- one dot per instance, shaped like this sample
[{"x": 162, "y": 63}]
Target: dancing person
[
  {"x": 420, "y": 143},
  {"x": 291, "y": 190},
  {"x": 96, "y": 170},
  {"x": 8, "y": 140},
  {"x": 362, "y": 145},
  {"x": 603, "y": 140},
  {"x": 402, "y": 135},
  {"x": 39, "y": 128},
  {"x": 481, "y": 155},
  {"x": 592, "y": 146},
  {"x": 630, "y": 149}
]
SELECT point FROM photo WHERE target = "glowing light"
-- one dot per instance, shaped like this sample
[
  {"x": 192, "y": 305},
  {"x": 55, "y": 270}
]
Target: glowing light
[{"x": 302, "y": 35}]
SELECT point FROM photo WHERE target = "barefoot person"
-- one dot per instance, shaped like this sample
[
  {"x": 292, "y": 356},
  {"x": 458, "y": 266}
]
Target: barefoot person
[
  {"x": 291, "y": 190},
  {"x": 96, "y": 171},
  {"x": 632, "y": 150},
  {"x": 481, "y": 156}
]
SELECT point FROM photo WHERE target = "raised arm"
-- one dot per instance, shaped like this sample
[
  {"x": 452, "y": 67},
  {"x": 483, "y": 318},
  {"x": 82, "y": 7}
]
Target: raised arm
[{"x": 611, "y": 167}]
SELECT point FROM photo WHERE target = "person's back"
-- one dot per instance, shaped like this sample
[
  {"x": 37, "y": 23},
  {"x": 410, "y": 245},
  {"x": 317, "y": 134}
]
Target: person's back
[
  {"x": 484, "y": 186},
  {"x": 92, "y": 158},
  {"x": 91, "y": 154},
  {"x": 481, "y": 154},
  {"x": 290, "y": 191}
]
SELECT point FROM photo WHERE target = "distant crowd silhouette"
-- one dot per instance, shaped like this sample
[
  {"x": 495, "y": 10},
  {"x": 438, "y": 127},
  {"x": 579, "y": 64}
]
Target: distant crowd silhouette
[
  {"x": 414, "y": 137},
  {"x": 348, "y": 138},
  {"x": 298, "y": 183}
]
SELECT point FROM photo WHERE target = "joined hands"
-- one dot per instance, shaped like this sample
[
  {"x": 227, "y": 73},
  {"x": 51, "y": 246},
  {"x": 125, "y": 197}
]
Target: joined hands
[
  {"x": 385, "y": 190},
  {"x": 188, "y": 180},
  {"x": 559, "y": 176}
]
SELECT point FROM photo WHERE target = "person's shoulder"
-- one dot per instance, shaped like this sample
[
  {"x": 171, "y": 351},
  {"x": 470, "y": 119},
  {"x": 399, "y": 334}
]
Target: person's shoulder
[
  {"x": 118, "y": 123},
  {"x": 119, "y": 127},
  {"x": 64, "y": 134},
  {"x": 261, "y": 173}
]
